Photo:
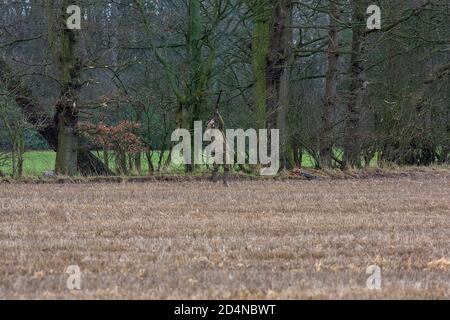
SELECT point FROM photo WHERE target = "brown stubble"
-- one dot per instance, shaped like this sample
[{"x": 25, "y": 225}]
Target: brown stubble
[{"x": 257, "y": 239}]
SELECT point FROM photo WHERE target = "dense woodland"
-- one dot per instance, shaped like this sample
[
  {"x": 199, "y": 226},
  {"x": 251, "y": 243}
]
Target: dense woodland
[{"x": 110, "y": 94}]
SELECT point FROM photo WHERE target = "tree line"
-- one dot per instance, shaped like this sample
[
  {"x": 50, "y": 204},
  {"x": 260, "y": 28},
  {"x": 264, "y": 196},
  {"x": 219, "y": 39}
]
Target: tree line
[{"x": 337, "y": 90}]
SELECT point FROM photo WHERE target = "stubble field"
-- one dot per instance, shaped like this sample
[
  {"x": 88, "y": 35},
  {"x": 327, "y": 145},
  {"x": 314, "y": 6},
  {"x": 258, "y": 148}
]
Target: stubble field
[{"x": 254, "y": 240}]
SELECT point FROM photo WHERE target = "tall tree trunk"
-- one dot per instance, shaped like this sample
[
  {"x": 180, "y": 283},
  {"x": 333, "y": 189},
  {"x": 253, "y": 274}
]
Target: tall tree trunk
[
  {"x": 195, "y": 59},
  {"x": 20, "y": 153},
  {"x": 286, "y": 153},
  {"x": 138, "y": 162},
  {"x": 352, "y": 143},
  {"x": 130, "y": 162},
  {"x": 193, "y": 107},
  {"x": 67, "y": 147},
  {"x": 106, "y": 157},
  {"x": 326, "y": 133},
  {"x": 182, "y": 119},
  {"x": 14, "y": 158},
  {"x": 445, "y": 156},
  {"x": 277, "y": 57},
  {"x": 297, "y": 158},
  {"x": 121, "y": 162},
  {"x": 260, "y": 50},
  {"x": 66, "y": 109},
  {"x": 149, "y": 156},
  {"x": 277, "y": 70}
]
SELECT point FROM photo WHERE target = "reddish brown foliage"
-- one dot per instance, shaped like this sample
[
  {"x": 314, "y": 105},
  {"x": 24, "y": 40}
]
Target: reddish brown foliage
[{"x": 120, "y": 137}]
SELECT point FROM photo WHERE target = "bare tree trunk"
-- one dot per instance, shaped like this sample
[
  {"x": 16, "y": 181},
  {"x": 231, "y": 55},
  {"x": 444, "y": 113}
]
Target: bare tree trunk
[
  {"x": 277, "y": 69},
  {"x": 286, "y": 153},
  {"x": 277, "y": 58},
  {"x": 20, "y": 153},
  {"x": 149, "y": 156},
  {"x": 137, "y": 162},
  {"x": 445, "y": 156},
  {"x": 121, "y": 163},
  {"x": 352, "y": 143},
  {"x": 260, "y": 49},
  {"x": 69, "y": 66},
  {"x": 130, "y": 162},
  {"x": 106, "y": 157},
  {"x": 326, "y": 133},
  {"x": 14, "y": 159},
  {"x": 67, "y": 147}
]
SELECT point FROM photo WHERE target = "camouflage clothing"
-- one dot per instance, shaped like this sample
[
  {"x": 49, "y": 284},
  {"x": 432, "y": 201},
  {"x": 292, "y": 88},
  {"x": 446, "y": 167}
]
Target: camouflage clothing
[{"x": 218, "y": 123}]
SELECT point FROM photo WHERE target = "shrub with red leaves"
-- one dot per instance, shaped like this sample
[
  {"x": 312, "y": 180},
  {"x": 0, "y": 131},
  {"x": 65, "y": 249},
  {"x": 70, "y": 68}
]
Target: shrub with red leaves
[{"x": 119, "y": 137}]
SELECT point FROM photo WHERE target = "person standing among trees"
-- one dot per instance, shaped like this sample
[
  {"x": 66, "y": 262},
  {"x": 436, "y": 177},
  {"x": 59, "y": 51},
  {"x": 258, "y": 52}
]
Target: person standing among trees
[{"x": 217, "y": 123}]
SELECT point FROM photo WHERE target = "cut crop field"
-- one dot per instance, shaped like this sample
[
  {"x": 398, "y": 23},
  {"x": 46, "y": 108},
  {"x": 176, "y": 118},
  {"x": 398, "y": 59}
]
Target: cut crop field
[{"x": 254, "y": 240}]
